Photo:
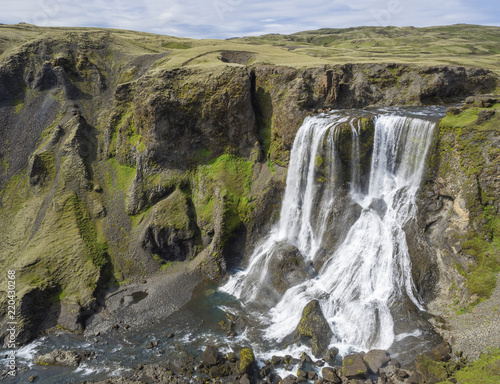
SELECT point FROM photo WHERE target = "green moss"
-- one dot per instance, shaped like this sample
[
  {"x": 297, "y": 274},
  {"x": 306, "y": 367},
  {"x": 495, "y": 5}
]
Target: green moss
[
  {"x": 97, "y": 252},
  {"x": 247, "y": 361},
  {"x": 232, "y": 175},
  {"x": 121, "y": 177},
  {"x": 486, "y": 370},
  {"x": 19, "y": 105},
  {"x": 173, "y": 212}
]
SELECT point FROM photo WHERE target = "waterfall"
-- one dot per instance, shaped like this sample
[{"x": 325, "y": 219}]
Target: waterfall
[{"x": 365, "y": 274}]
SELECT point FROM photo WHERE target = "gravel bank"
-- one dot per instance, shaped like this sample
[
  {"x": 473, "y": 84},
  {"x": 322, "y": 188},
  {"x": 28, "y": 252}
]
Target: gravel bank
[{"x": 476, "y": 332}]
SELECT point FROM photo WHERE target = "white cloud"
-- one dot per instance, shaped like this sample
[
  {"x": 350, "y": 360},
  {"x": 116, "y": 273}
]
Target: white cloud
[{"x": 228, "y": 18}]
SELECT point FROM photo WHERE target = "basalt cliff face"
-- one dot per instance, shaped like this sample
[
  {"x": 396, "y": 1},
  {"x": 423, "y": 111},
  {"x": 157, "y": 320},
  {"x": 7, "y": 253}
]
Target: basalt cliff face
[{"x": 114, "y": 168}]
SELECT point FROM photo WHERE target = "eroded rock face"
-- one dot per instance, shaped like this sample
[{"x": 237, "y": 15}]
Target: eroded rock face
[
  {"x": 458, "y": 206},
  {"x": 153, "y": 139}
]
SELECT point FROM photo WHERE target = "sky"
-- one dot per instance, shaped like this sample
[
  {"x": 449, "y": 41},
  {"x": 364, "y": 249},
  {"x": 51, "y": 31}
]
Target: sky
[{"x": 236, "y": 18}]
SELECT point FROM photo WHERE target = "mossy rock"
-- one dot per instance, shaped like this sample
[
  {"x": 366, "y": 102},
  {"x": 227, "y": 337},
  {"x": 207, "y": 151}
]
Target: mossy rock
[
  {"x": 247, "y": 362},
  {"x": 313, "y": 328}
]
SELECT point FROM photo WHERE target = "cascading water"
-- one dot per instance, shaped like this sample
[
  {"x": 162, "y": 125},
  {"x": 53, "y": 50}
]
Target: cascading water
[{"x": 366, "y": 274}]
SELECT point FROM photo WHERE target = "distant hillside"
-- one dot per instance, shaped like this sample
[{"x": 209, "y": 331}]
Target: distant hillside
[{"x": 467, "y": 45}]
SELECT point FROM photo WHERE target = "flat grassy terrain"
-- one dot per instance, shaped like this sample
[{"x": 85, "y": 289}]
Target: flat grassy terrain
[{"x": 462, "y": 44}]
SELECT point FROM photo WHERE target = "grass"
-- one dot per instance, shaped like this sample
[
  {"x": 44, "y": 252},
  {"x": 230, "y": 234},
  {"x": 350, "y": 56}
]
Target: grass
[
  {"x": 486, "y": 370},
  {"x": 123, "y": 175},
  {"x": 467, "y": 45}
]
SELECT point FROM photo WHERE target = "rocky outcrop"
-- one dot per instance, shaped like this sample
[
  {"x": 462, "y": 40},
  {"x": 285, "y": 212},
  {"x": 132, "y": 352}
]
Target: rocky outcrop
[{"x": 459, "y": 209}]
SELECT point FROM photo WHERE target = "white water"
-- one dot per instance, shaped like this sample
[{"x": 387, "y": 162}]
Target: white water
[{"x": 371, "y": 269}]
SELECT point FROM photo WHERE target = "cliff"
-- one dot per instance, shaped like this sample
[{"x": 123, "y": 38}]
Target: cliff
[{"x": 118, "y": 164}]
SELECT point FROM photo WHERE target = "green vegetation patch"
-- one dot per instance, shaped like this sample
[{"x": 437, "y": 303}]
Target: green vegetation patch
[
  {"x": 97, "y": 252},
  {"x": 466, "y": 138},
  {"x": 233, "y": 176},
  {"x": 486, "y": 370},
  {"x": 122, "y": 175}
]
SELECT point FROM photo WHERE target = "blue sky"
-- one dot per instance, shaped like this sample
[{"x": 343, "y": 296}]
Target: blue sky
[{"x": 230, "y": 18}]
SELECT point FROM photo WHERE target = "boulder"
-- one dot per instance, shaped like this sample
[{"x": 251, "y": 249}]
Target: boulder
[
  {"x": 376, "y": 359},
  {"x": 210, "y": 356},
  {"x": 314, "y": 329},
  {"x": 330, "y": 376},
  {"x": 247, "y": 362},
  {"x": 354, "y": 367},
  {"x": 289, "y": 380},
  {"x": 60, "y": 357},
  {"x": 287, "y": 266}
]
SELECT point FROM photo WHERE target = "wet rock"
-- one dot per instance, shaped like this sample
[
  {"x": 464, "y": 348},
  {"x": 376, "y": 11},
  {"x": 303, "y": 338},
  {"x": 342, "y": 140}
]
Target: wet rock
[
  {"x": 330, "y": 376},
  {"x": 289, "y": 380},
  {"x": 301, "y": 373},
  {"x": 319, "y": 363},
  {"x": 210, "y": 356},
  {"x": 247, "y": 362},
  {"x": 453, "y": 111},
  {"x": 32, "y": 378},
  {"x": 312, "y": 375},
  {"x": 276, "y": 360},
  {"x": 415, "y": 378},
  {"x": 222, "y": 370},
  {"x": 318, "y": 381},
  {"x": 330, "y": 355},
  {"x": 60, "y": 357},
  {"x": 379, "y": 206},
  {"x": 395, "y": 363},
  {"x": 432, "y": 371},
  {"x": 264, "y": 372},
  {"x": 441, "y": 352},
  {"x": 170, "y": 336},
  {"x": 149, "y": 345},
  {"x": 305, "y": 358},
  {"x": 287, "y": 266},
  {"x": 375, "y": 359},
  {"x": 353, "y": 366},
  {"x": 314, "y": 328}
]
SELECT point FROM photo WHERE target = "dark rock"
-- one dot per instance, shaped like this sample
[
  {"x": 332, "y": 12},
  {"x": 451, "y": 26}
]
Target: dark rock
[
  {"x": 484, "y": 115},
  {"x": 32, "y": 378},
  {"x": 441, "y": 352},
  {"x": 287, "y": 266},
  {"x": 318, "y": 381},
  {"x": 319, "y": 363},
  {"x": 276, "y": 360},
  {"x": 149, "y": 345},
  {"x": 314, "y": 328},
  {"x": 301, "y": 373},
  {"x": 305, "y": 358},
  {"x": 395, "y": 363},
  {"x": 312, "y": 375},
  {"x": 353, "y": 366},
  {"x": 210, "y": 356},
  {"x": 415, "y": 378},
  {"x": 330, "y": 376},
  {"x": 170, "y": 336},
  {"x": 453, "y": 111},
  {"x": 264, "y": 372},
  {"x": 295, "y": 361},
  {"x": 289, "y": 380},
  {"x": 376, "y": 359},
  {"x": 287, "y": 359},
  {"x": 402, "y": 374},
  {"x": 330, "y": 355},
  {"x": 222, "y": 370}
]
